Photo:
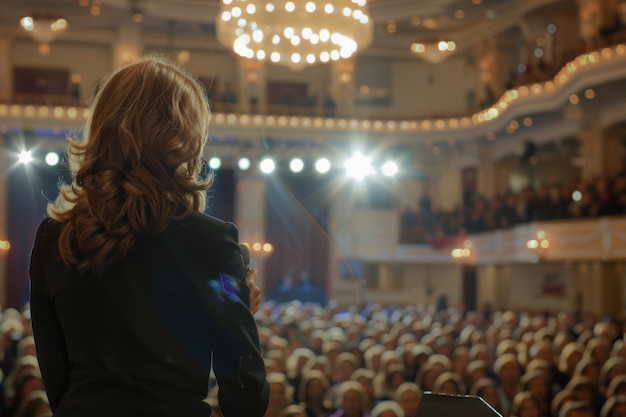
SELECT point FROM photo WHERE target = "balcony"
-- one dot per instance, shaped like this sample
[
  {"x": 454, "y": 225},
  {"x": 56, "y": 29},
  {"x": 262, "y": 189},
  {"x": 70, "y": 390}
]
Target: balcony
[
  {"x": 232, "y": 120},
  {"x": 375, "y": 239}
]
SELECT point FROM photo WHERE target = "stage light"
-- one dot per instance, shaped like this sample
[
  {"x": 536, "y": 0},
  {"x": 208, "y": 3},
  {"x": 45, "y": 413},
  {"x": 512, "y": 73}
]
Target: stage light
[
  {"x": 389, "y": 168},
  {"x": 296, "y": 165},
  {"x": 243, "y": 164},
  {"x": 322, "y": 165},
  {"x": 267, "y": 165},
  {"x": 358, "y": 166},
  {"x": 25, "y": 157},
  {"x": 52, "y": 158},
  {"x": 215, "y": 163}
]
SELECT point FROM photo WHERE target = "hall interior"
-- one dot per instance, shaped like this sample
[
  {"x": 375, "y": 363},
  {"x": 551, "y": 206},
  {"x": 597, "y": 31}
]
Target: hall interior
[{"x": 473, "y": 149}]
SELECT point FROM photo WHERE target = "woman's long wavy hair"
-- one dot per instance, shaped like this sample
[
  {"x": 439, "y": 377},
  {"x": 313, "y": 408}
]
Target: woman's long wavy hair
[{"x": 137, "y": 166}]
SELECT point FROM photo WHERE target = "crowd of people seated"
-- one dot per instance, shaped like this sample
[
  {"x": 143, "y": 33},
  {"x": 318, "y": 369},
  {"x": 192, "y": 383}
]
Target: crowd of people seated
[
  {"x": 552, "y": 201},
  {"x": 375, "y": 361}
]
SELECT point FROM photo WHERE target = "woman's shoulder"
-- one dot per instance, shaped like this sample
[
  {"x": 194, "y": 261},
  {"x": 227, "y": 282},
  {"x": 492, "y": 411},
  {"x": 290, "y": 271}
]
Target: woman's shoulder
[
  {"x": 203, "y": 222},
  {"x": 49, "y": 227},
  {"x": 204, "y": 226}
]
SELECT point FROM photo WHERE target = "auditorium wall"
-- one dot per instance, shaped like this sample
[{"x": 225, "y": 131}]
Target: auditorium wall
[{"x": 90, "y": 61}]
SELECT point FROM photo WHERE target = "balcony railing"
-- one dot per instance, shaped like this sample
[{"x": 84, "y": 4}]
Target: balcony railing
[{"x": 587, "y": 70}]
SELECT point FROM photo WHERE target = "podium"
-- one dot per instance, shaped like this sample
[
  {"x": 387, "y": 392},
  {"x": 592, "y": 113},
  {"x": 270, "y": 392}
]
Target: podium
[{"x": 442, "y": 405}]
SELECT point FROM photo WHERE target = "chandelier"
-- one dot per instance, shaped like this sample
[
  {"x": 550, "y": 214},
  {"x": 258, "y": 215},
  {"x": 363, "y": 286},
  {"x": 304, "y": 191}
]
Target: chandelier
[
  {"x": 294, "y": 33},
  {"x": 433, "y": 50},
  {"x": 43, "y": 28}
]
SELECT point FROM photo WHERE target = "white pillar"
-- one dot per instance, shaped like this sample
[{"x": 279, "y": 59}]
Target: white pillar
[
  {"x": 342, "y": 88},
  {"x": 128, "y": 46},
  {"x": 252, "y": 84},
  {"x": 250, "y": 216},
  {"x": 4, "y": 217},
  {"x": 590, "y": 20},
  {"x": 592, "y": 151},
  {"x": 6, "y": 68}
]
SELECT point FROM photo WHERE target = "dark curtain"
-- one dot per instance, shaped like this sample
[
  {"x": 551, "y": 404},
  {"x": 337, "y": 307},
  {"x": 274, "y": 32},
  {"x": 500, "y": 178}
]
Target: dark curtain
[
  {"x": 296, "y": 224},
  {"x": 221, "y": 195},
  {"x": 29, "y": 186}
]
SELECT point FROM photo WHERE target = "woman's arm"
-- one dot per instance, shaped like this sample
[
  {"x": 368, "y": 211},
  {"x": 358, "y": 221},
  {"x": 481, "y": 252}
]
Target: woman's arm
[
  {"x": 237, "y": 361},
  {"x": 49, "y": 339}
]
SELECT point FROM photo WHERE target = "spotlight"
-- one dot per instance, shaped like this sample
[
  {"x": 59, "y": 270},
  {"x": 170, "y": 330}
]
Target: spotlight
[
  {"x": 52, "y": 158},
  {"x": 389, "y": 168},
  {"x": 25, "y": 157},
  {"x": 243, "y": 164},
  {"x": 215, "y": 163},
  {"x": 322, "y": 165},
  {"x": 358, "y": 166},
  {"x": 267, "y": 165},
  {"x": 296, "y": 165}
]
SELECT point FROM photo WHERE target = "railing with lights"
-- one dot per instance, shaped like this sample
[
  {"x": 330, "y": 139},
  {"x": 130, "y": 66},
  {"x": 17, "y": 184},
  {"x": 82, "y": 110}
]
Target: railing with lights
[
  {"x": 259, "y": 249},
  {"x": 553, "y": 241},
  {"x": 606, "y": 65},
  {"x": 4, "y": 245}
]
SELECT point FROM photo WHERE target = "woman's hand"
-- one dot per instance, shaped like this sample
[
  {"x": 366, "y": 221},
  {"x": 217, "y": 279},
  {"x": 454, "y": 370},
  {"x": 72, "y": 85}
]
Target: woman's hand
[{"x": 255, "y": 292}]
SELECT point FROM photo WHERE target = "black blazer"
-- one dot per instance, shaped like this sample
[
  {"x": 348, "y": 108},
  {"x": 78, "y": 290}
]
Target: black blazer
[{"x": 140, "y": 339}]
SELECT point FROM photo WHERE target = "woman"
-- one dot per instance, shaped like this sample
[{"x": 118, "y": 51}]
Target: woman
[
  {"x": 312, "y": 394},
  {"x": 135, "y": 293},
  {"x": 525, "y": 405},
  {"x": 351, "y": 399},
  {"x": 408, "y": 396}
]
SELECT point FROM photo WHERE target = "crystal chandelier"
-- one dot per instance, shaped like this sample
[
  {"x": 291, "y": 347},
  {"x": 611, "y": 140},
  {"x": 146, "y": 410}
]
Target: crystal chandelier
[
  {"x": 433, "y": 50},
  {"x": 43, "y": 28},
  {"x": 295, "y": 33}
]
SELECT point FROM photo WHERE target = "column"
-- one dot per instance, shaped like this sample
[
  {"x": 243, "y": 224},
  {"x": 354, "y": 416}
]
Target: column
[
  {"x": 128, "y": 46},
  {"x": 592, "y": 150},
  {"x": 503, "y": 287},
  {"x": 495, "y": 60},
  {"x": 342, "y": 90},
  {"x": 6, "y": 68},
  {"x": 590, "y": 20},
  {"x": 386, "y": 277},
  {"x": 446, "y": 186},
  {"x": 486, "y": 285},
  {"x": 486, "y": 181},
  {"x": 344, "y": 290},
  {"x": 611, "y": 288},
  {"x": 600, "y": 288},
  {"x": 250, "y": 216},
  {"x": 613, "y": 149},
  {"x": 252, "y": 85},
  {"x": 6, "y": 89},
  {"x": 4, "y": 207},
  {"x": 572, "y": 287}
]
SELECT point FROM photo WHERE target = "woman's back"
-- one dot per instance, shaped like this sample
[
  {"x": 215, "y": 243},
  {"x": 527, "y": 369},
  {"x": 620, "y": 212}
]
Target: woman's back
[{"x": 138, "y": 340}]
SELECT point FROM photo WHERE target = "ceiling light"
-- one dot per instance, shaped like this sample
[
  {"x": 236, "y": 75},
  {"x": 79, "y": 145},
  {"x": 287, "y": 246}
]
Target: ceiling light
[
  {"x": 215, "y": 163},
  {"x": 296, "y": 165},
  {"x": 322, "y": 165},
  {"x": 358, "y": 166},
  {"x": 267, "y": 165},
  {"x": 297, "y": 33},
  {"x": 52, "y": 158},
  {"x": 433, "y": 50},
  {"x": 25, "y": 157},
  {"x": 243, "y": 164},
  {"x": 43, "y": 28},
  {"x": 389, "y": 168}
]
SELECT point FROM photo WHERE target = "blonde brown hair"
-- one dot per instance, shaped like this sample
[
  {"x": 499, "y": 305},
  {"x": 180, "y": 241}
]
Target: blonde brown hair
[{"x": 137, "y": 166}]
